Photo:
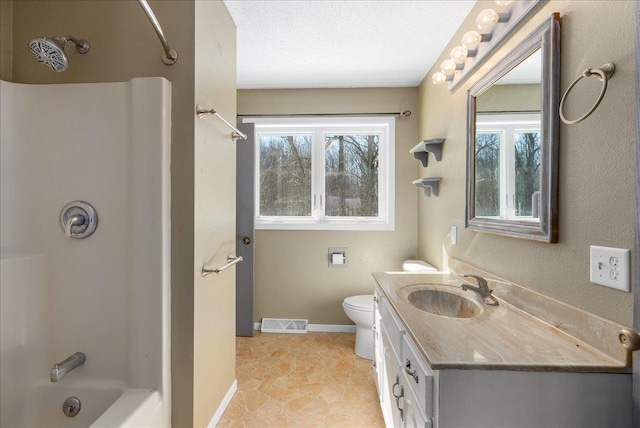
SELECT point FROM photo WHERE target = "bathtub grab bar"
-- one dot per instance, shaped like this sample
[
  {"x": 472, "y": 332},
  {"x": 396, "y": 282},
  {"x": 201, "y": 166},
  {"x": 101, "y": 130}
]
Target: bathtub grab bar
[
  {"x": 170, "y": 56},
  {"x": 230, "y": 262},
  {"x": 235, "y": 135}
]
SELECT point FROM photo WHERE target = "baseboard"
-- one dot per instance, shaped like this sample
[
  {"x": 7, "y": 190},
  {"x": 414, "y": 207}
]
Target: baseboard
[
  {"x": 223, "y": 406},
  {"x": 327, "y": 328}
]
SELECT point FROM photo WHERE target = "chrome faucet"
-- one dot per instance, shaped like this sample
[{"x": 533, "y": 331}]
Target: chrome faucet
[
  {"x": 60, "y": 370},
  {"x": 481, "y": 290}
]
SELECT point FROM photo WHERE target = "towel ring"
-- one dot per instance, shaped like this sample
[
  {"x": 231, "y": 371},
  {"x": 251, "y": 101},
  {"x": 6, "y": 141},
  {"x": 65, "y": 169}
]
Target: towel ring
[{"x": 603, "y": 73}]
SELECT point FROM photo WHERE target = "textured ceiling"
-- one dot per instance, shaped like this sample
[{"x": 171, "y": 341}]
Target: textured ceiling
[{"x": 339, "y": 44}]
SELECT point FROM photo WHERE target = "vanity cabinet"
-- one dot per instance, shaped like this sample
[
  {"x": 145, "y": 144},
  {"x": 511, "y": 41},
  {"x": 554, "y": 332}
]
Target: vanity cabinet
[
  {"x": 412, "y": 394},
  {"x": 405, "y": 382}
]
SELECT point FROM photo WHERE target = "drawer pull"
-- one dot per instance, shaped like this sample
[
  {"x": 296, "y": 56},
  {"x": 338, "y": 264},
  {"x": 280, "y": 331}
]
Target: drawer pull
[
  {"x": 398, "y": 398},
  {"x": 412, "y": 373},
  {"x": 393, "y": 388}
]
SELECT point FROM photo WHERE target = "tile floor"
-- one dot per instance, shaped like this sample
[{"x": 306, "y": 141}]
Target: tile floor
[{"x": 302, "y": 380}]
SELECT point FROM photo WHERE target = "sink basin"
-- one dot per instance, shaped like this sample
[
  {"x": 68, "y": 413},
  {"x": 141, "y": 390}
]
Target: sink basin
[{"x": 444, "y": 303}]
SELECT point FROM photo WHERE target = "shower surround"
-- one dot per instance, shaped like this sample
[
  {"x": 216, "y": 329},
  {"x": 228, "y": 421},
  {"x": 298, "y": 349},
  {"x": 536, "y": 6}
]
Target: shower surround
[{"x": 108, "y": 295}]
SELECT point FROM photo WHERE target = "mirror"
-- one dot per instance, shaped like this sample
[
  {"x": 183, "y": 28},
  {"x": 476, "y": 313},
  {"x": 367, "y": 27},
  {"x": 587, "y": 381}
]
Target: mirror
[{"x": 512, "y": 141}]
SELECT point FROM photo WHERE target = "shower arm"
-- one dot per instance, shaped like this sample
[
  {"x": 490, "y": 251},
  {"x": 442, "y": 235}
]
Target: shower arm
[{"x": 170, "y": 56}]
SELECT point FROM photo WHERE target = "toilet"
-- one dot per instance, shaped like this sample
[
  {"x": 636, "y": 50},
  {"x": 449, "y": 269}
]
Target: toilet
[{"x": 359, "y": 309}]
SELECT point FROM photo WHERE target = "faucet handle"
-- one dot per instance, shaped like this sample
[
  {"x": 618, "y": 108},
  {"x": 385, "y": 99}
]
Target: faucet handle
[{"x": 481, "y": 281}]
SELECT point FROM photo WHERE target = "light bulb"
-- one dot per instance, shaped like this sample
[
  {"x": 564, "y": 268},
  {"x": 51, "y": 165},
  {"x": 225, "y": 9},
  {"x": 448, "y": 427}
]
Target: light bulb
[
  {"x": 438, "y": 78},
  {"x": 448, "y": 66},
  {"x": 459, "y": 54},
  {"x": 486, "y": 20},
  {"x": 503, "y": 2},
  {"x": 471, "y": 40}
]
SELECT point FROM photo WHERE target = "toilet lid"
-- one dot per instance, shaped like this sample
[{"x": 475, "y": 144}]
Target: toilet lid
[{"x": 361, "y": 303}]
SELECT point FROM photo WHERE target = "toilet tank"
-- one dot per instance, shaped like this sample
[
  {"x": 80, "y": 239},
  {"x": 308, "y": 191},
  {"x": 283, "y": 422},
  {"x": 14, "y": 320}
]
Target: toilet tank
[{"x": 417, "y": 266}]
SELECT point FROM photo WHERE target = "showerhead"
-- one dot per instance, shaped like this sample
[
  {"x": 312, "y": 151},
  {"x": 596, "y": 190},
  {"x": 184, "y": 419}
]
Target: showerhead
[{"x": 50, "y": 51}]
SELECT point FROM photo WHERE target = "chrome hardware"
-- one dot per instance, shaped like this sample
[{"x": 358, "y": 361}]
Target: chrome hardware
[
  {"x": 230, "y": 262},
  {"x": 246, "y": 240},
  {"x": 630, "y": 339},
  {"x": 401, "y": 409},
  {"x": 375, "y": 299},
  {"x": 60, "y": 370},
  {"x": 235, "y": 135},
  {"x": 481, "y": 290},
  {"x": 78, "y": 219},
  {"x": 412, "y": 373},
  {"x": 393, "y": 388},
  {"x": 170, "y": 56},
  {"x": 71, "y": 407},
  {"x": 603, "y": 74}
]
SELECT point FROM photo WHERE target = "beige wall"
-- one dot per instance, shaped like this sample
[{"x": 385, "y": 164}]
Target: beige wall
[
  {"x": 215, "y": 210},
  {"x": 124, "y": 46},
  {"x": 6, "y": 28},
  {"x": 510, "y": 98},
  {"x": 596, "y": 165},
  {"x": 292, "y": 279}
]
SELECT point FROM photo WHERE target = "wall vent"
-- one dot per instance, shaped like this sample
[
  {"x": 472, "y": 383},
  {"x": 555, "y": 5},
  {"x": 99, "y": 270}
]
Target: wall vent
[{"x": 283, "y": 325}]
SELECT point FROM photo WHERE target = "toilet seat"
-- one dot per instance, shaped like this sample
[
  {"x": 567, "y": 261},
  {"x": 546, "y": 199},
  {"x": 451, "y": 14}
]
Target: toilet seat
[{"x": 359, "y": 303}]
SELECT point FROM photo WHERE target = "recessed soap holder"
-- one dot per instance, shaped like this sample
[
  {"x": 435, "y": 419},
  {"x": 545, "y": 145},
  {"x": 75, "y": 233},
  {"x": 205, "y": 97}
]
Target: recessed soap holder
[
  {"x": 429, "y": 185},
  {"x": 423, "y": 148}
]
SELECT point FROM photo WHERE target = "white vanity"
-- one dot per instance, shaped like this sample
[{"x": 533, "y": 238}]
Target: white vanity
[{"x": 528, "y": 362}]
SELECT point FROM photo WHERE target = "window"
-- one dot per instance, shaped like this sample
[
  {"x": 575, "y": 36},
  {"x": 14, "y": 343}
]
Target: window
[
  {"x": 508, "y": 166},
  {"x": 325, "y": 173}
]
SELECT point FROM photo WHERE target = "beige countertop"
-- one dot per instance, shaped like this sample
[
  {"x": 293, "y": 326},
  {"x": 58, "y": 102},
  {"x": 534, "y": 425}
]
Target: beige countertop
[{"x": 502, "y": 337}]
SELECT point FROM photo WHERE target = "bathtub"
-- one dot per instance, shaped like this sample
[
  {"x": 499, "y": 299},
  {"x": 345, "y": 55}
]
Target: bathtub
[{"x": 104, "y": 404}]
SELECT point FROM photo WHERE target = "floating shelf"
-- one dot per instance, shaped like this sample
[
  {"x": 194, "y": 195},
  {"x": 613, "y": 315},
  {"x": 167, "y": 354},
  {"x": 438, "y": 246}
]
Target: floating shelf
[
  {"x": 428, "y": 185},
  {"x": 423, "y": 148}
]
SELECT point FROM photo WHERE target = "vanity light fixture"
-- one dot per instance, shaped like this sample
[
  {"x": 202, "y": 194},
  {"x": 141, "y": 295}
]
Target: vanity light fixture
[
  {"x": 459, "y": 54},
  {"x": 439, "y": 78},
  {"x": 448, "y": 67},
  {"x": 488, "y": 19},
  {"x": 493, "y": 29}
]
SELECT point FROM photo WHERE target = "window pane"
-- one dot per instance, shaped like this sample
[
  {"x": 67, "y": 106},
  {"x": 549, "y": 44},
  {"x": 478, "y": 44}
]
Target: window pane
[
  {"x": 527, "y": 150},
  {"x": 488, "y": 174},
  {"x": 285, "y": 175},
  {"x": 351, "y": 175}
]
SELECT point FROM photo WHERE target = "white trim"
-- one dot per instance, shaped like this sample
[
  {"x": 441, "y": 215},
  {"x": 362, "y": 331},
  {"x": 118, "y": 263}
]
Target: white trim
[
  {"x": 383, "y": 126},
  {"x": 326, "y": 328},
  {"x": 223, "y": 406}
]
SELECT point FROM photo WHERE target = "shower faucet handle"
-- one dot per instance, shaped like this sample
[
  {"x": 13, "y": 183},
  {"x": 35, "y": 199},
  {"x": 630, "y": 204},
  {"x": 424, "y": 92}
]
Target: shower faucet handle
[{"x": 78, "y": 219}]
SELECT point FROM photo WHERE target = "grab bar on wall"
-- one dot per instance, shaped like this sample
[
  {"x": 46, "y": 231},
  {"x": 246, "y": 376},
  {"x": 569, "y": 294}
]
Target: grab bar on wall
[
  {"x": 235, "y": 135},
  {"x": 206, "y": 270},
  {"x": 170, "y": 56}
]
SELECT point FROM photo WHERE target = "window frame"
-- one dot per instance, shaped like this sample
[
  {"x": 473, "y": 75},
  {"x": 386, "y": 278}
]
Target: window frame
[
  {"x": 508, "y": 125},
  {"x": 383, "y": 126}
]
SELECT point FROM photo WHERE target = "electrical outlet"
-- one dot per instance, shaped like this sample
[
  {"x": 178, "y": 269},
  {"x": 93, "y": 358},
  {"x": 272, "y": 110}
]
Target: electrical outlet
[{"x": 610, "y": 267}]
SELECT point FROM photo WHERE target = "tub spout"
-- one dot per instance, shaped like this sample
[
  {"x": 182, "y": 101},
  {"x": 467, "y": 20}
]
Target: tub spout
[{"x": 59, "y": 370}]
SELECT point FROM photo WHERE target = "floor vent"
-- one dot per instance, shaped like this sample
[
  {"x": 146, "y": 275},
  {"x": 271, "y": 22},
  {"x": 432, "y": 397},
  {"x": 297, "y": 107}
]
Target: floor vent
[{"x": 281, "y": 325}]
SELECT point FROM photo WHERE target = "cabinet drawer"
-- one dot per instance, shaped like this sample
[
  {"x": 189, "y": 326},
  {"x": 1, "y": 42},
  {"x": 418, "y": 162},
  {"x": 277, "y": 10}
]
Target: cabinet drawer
[
  {"x": 393, "y": 326},
  {"x": 419, "y": 377}
]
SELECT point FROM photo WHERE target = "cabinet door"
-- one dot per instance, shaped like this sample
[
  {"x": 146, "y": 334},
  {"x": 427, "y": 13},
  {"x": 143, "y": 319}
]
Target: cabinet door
[
  {"x": 378, "y": 353},
  {"x": 392, "y": 389},
  {"x": 412, "y": 414}
]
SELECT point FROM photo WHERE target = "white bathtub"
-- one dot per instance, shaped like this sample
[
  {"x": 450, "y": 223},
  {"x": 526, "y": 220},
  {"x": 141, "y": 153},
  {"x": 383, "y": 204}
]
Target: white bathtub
[{"x": 104, "y": 404}]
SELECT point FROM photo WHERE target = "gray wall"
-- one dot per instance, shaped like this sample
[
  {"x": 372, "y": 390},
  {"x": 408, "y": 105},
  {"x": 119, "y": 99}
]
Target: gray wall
[{"x": 596, "y": 164}]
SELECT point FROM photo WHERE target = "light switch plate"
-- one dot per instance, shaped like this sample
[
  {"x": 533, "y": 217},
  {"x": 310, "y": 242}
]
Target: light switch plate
[
  {"x": 610, "y": 267},
  {"x": 454, "y": 235}
]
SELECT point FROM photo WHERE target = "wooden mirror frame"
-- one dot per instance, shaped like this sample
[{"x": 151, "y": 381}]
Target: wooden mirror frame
[{"x": 547, "y": 38}]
